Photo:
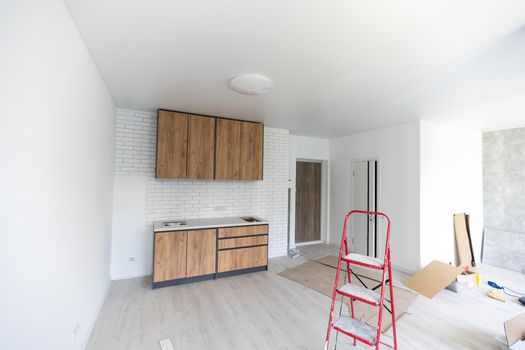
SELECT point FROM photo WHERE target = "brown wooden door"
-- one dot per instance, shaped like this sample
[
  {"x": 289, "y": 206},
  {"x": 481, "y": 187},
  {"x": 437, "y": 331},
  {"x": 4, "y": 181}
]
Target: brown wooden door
[
  {"x": 308, "y": 202},
  {"x": 170, "y": 256},
  {"x": 201, "y": 144},
  {"x": 251, "y": 151},
  {"x": 228, "y": 150},
  {"x": 201, "y": 252},
  {"x": 172, "y": 145}
]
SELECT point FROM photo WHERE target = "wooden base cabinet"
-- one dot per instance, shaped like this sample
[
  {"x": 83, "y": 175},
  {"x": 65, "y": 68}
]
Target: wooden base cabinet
[
  {"x": 242, "y": 258},
  {"x": 170, "y": 256},
  {"x": 189, "y": 256},
  {"x": 200, "y": 253}
]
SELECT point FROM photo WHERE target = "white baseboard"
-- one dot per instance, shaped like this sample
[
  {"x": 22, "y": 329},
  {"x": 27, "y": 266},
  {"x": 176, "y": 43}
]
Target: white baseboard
[
  {"x": 91, "y": 325},
  {"x": 308, "y": 243}
]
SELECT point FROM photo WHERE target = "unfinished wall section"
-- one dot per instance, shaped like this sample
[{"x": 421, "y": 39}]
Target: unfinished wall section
[
  {"x": 504, "y": 198},
  {"x": 140, "y": 199},
  {"x": 451, "y": 182},
  {"x": 397, "y": 150}
]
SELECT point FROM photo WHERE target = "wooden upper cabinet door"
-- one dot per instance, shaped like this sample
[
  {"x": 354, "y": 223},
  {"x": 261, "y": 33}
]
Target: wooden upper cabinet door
[
  {"x": 172, "y": 145},
  {"x": 251, "y": 151},
  {"x": 201, "y": 143},
  {"x": 228, "y": 150},
  {"x": 201, "y": 252},
  {"x": 170, "y": 256}
]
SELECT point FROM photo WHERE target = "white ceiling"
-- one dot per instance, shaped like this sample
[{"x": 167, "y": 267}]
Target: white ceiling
[{"x": 339, "y": 67}]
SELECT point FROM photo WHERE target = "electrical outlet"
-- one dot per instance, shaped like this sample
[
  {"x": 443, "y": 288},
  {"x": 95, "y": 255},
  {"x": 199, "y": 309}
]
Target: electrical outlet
[
  {"x": 76, "y": 331},
  {"x": 131, "y": 259}
]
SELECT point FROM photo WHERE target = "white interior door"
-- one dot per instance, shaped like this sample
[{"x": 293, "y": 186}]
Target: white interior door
[
  {"x": 364, "y": 233},
  {"x": 359, "y": 222}
]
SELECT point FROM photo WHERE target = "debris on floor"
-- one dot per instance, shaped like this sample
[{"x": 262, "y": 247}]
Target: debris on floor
[
  {"x": 463, "y": 241},
  {"x": 433, "y": 278},
  {"x": 515, "y": 332}
]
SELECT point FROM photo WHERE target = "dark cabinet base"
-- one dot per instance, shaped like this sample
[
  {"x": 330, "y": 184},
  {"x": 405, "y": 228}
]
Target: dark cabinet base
[{"x": 207, "y": 277}]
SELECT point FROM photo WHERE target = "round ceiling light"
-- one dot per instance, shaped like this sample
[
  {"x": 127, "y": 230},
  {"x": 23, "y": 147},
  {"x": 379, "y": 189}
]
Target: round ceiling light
[{"x": 251, "y": 84}]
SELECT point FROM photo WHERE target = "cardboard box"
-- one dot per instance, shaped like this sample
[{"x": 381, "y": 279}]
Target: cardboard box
[
  {"x": 433, "y": 278},
  {"x": 515, "y": 332}
]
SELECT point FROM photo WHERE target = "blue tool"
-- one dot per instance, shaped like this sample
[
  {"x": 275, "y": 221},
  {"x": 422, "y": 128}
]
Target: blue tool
[{"x": 494, "y": 285}]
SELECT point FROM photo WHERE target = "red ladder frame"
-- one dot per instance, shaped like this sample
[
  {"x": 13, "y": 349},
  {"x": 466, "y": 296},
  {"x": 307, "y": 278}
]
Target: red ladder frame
[{"x": 387, "y": 266}]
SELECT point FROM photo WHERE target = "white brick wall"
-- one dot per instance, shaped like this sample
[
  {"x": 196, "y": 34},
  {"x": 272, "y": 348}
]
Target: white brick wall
[{"x": 175, "y": 199}]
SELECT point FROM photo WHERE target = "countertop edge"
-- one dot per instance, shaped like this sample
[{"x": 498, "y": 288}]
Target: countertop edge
[{"x": 203, "y": 227}]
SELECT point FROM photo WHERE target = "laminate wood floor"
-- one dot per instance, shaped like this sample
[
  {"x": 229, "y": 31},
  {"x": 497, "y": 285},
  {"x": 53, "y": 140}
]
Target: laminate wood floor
[{"x": 265, "y": 311}]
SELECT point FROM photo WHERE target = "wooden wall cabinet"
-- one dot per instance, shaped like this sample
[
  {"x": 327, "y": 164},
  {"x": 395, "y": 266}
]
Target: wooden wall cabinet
[
  {"x": 172, "y": 145},
  {"x": 193, "y": 255},
  {"x": 239, "y": 151},
  {"x": 228, "y": 150},
  {"x": 185, "y": 146},
  {"x": 202, "y": 147},
  {"x": 251, "y": 151}
]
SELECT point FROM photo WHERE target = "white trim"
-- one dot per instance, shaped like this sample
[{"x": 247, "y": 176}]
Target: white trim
[{"x": 91, "y": 325}]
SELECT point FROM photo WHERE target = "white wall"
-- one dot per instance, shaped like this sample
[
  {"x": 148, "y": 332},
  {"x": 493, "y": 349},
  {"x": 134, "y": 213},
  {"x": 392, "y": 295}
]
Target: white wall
[
  {"x": 397, "y": 149},
  {"x": 451, "y": 182},
  {"x": 140, "y": 199},
  {"x": 314, "y": 149},
  {"x": 56, "y": 141}
]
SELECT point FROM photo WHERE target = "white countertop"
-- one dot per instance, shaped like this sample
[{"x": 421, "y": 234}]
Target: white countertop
[{"x": 197, "y": 224}]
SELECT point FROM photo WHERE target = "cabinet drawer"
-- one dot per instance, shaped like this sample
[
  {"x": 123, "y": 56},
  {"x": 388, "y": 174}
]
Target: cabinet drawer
[
  {"x": 243, "y": 258},
  {"x": 242, "y": 242},
  {"x": 243, "y": 231}
]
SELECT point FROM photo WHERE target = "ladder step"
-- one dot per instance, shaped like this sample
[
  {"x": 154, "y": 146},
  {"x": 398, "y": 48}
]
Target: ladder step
[
  {"x": 360, "y": 293},
  {"x": 363, "y": 260},
  {"x": 356, "y": 329}
]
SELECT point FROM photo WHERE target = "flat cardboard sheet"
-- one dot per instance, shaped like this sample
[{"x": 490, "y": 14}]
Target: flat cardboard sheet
[
  {"x": 433, "y": 278},
  {"x": 319, "y": 275},
  {"x": 464, "y": 245},
  {"x": 515, "y": 330}
]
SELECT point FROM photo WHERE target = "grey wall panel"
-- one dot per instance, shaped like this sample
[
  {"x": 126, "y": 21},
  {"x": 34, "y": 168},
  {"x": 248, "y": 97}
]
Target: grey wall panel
[
  {"x": 504, "y": 249},
  {"x": 504, "y": 198}
]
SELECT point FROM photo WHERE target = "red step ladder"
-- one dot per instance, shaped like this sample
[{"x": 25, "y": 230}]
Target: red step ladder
[{"x": 348, "y": 325}]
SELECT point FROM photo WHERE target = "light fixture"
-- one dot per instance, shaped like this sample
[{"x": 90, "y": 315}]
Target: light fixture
[{"x": 251, "y": 84}]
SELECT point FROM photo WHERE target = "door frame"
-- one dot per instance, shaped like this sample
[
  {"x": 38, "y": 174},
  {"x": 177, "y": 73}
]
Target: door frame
[
  {"x": 324, "y": 202},
  {"x": 353, "y": 162}
]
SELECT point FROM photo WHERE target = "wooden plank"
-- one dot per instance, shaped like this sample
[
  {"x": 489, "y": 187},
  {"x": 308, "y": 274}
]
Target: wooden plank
[
  {"x": 308, "y": 202},
  {"x": 243, "y": 258},
  {"x": 170, "y": 256},
  {"x": 172, "y": 145},
  {"x": 243, "y": 231},
  {"x": 242, "y": 242},
  {"x": 464, "y": 245},
  {"x": 201, "y": 144},
  {"x": 251, "y": 166},
  {"x": 228, "y": 150},
  {"x": 201, "y": 250}
]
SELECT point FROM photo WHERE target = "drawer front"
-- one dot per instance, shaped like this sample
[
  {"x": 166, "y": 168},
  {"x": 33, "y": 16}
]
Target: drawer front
[
  {"x": 243, "y": 258},
  {"x": 242, "y": 242},
  {"x": 243, "y": 231}
]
